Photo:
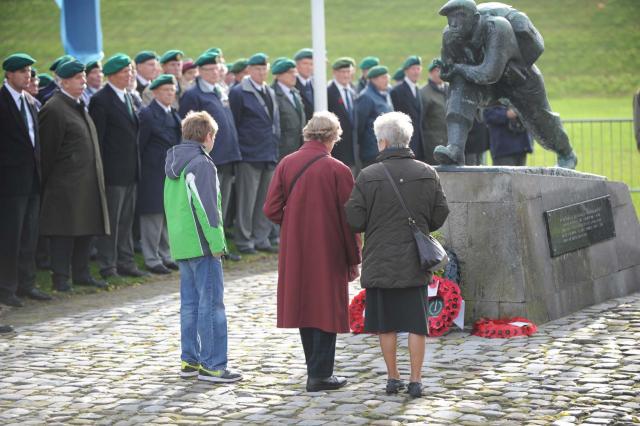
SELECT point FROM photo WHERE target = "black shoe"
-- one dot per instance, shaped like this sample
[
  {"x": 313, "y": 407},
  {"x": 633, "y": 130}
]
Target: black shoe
[
  {"x": 92, "y": 282},
  {"x": 235, "y": 257},
  {"x": 109, "y": 273},
  {"x": 159, "y": 269},
  {"x": 6, "y": 329},
  {"x": 11, "y": 301},
  {"x": 394, "y": 386},
  {"x": 247, "y": 250},
  {"x": 269, "y": 249},
  {"x": 132, "y": 272},
  {"x": 171, "y": 265},
  {"x": 35, "y": 294},
  {"x": 328, "y": 383},
  {"x": 415, "y": 389}
]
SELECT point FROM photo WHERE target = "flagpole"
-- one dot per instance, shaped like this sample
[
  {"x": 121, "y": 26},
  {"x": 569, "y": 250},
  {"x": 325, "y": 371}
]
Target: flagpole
[{"x": 319, "y": 55}]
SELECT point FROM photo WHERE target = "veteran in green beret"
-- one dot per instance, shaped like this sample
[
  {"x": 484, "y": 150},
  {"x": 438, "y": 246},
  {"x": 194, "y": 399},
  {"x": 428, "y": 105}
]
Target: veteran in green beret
[
  {"x": 147, "y": 68},
  {"x": 304, "y": 83},
  {"x": 366, "y": 64},
  {"x": 44, "y": 79},
  {"x": 398, "y": 76},
  {"x": 434, "y": 124},
  {"x": 33, "y": 88},
  {"x": 239, "y": 70},
  {"x": 94, "y": 80},
  {"x": 19, "y": 183},
  {"x": 171, "y": 63},
  {"x": 406, "y": 98},
  {"x": 46, "y": 92},
  {"x": 74, "y": 205},
  {"x": 292, "y": 116},
  {"x": 116, "y": 122},
  {"x": 341, "y": 97}
]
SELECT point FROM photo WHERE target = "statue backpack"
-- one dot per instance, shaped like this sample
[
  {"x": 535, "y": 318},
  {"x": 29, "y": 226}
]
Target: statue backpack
[{"x": 529, "y": 39}]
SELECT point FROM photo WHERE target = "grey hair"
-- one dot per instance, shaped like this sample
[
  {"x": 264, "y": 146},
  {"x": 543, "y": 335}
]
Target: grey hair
[
  {"x": 324, "y": 126},
  {"x": 395, "y": 128}
]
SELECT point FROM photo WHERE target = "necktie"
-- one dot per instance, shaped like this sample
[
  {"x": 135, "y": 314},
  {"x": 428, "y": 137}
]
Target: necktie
[
  {"x": 23, "y": 112},
  {"x": 127, "y": 100},
  {"x": 216, "y": 90},
  {"x": 346, "y": 96}
]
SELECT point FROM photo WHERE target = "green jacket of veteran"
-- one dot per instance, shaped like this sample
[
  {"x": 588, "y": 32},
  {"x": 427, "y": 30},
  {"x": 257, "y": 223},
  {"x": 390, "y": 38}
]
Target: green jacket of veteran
[
  {"x": 390, "y": 258},
  {"x": 73, "y": 199}
]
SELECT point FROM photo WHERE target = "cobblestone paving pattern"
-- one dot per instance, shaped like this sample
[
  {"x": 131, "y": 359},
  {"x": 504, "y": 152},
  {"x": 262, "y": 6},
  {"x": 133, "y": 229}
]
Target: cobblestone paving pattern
[{"x": 119, "y": 366}]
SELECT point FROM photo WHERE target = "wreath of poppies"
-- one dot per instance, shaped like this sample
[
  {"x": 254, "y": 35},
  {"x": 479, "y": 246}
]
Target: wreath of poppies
[
  {"x": 443, "y": 308},
  {"x": 503, "y": 328}
]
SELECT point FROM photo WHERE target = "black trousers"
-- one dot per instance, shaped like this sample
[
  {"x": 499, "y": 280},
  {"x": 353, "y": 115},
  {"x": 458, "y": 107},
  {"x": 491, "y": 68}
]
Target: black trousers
[
  {"x": 18, "y": 240},
  {"x": 319, "y": 351},
  {"x": 511, "y": 160},
  {"x": 70, "y": 253}
]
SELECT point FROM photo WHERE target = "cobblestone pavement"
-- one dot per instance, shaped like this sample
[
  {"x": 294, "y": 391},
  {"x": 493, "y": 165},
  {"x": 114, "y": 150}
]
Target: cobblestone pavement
[{"x": 119, "y": 366}]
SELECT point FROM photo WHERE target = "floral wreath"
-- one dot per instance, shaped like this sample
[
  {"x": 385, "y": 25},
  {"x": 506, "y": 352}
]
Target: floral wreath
[{"x": 503, "y": 328}]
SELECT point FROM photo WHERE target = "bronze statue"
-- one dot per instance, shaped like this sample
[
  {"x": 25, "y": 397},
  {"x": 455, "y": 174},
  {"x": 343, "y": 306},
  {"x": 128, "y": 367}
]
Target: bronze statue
[{"x": 488, "y": 52}]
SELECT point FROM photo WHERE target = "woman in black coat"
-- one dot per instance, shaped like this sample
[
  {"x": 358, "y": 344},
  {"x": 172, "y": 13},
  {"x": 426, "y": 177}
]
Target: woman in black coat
[{"x": 396, "y": 288}]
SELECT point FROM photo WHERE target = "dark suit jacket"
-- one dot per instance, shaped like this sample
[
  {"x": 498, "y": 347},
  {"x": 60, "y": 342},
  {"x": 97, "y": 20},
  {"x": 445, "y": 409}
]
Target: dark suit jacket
[
  {"x": 308, "y": 102},
  {"x": 404, "y": 101},
  {"x": 159, "y": 131},
  {"x": 343, "y": 150},
  {"x": 118, "y": 137},
  {"x": 292, "y": 122},
  {"x": 19, "y": 159}
]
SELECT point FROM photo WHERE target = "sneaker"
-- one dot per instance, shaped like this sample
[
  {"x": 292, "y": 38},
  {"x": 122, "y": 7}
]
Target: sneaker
[
  {"x": 394, "y": 386},
  {"x": 188, "y": 369},
  {"x": 218, "y": 376},
  {"x": 415, "y": 389}
]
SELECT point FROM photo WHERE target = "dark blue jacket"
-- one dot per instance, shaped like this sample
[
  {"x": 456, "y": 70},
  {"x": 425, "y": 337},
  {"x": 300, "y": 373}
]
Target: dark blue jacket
[
  {"x": 506, "y": 139},
  {"x": 159, "y": 131},
  {"x": 369, "y": 105},
  {"x": 258, "y": 133},
  {"x": 404, "y": 101},
  {"x": 226, "y": 149}
]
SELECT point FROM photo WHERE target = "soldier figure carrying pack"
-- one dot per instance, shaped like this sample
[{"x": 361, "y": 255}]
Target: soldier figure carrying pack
[{"x": 488, "y": 52}]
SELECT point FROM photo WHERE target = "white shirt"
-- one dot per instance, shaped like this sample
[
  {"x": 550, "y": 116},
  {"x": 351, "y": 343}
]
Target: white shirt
[
  {"x": 258, "y": 87},
  {"x": 412, "y": 85},
  {"x": 347, "y": 103},
  {"x": 17, "y": 96},
  {"x": 119, "y": 92},
  {"x": 142, "y": 80},
  {"x": 304, "y": 81},
  {"x": 210, "y": 87},
  {"x": 167, "y": 109},
  {"x": 288, "y": 92}
]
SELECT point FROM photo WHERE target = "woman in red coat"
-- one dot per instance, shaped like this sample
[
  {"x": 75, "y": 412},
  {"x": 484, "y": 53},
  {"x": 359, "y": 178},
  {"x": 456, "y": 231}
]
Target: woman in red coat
[{"x": 318, "y": 252}]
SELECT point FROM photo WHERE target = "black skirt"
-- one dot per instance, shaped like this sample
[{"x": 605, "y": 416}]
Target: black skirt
[{"x": 396, "y": 309}]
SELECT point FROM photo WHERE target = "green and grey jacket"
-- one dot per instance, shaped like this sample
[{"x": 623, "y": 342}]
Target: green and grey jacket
[{"x": 192, "y": 203}]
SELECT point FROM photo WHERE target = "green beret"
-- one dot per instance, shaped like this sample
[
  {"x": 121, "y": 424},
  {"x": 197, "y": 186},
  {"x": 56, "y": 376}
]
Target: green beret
[
  {"x": 69, "y": 69},
  {"x": 145, "y": 55},
  {"x": 377, "y": 71},
  {"x": 344, "y": 62},
  {"x": 60, "y": 60},
  {"x": 282, "y": 65},
  {"x": 452, "y": 5},
  {"x": 45, "y": 80},
  {"x": 215, "y": 50},
  {"x": 239, "y": 65},
  {"x": 116, "y": 63},
  {"x": 436, "y": 63},
  {"x": 258, "y": 59},
  {"x": 398, "y": 75},
  {"x": 305, "y": 53},
  {"x": 411, "y": 61},
  {"x": 207, "y": 58},
  {"x": 171, "y": 55},
  {"x": 17, "y": 61},
  {"x": 92, "y": 65},
  {"x": 162, "y": 79},
  {"x": 369, "y": 62}
]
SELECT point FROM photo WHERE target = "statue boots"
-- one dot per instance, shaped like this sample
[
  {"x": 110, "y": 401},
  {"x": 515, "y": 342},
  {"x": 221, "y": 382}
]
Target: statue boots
[{"x": 453, "y": 153}]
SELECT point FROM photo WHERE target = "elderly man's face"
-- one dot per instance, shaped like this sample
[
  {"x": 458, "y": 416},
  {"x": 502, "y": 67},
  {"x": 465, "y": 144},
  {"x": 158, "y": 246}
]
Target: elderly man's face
[
  {"x": 288, "y": 78},
  {"x": 461, "y": 22},
  {"x": 165, "y": 94},
  {"x": 147, "y": 69},
  {"x": 413, "y": 72},
  {"x": 19, "y": 79},
  {"x": 343, "y": 75},
  {"x": 122, "y": 78},
  {"x": 75, "y": 85},
  {"x": 258, "y": 73},
  {"x": 434, "y": 75},
  {"x": 305, "y": 67},
  {"x": 380, "y": 82},
  {"x": 32, "y": 88},
  {"x": 94, "y": 78},
  {"x": 173, "y": 67},
  {"x": 210, "y": 73}
]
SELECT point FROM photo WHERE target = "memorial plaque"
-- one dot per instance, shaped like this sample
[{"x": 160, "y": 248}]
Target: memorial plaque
[{"x": 579, "y": 225}]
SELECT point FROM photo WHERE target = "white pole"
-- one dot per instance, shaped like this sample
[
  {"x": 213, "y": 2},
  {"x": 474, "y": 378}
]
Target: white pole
[{"x": 319, "y": 56}]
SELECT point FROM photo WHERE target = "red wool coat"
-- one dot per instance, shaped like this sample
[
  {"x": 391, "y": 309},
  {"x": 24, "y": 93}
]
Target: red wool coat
[{"x": 318, "y": 251}]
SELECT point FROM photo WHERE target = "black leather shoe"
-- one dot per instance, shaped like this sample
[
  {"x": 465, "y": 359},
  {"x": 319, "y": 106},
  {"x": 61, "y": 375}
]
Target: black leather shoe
[
  {"x": 247, "y": 251},
  {"x": 415, "y": 389},
  {"x": 172, "y": 265},
  {"x": 235, "y": 257},
  {"x": 159, "y": 270},
  {"x": 328, "y": 383},
  {"x": 35, "y": 294},
  {"x": 92, "y": 282},
  {"x": 11, "y": 301},
  {"x": 6, "y": 329},
  {"x": 269, "y": 249},
  {"x": 132, "y": 272},
  {"x": 110, "y": 273},
  {"x": 394, "y": 386}
]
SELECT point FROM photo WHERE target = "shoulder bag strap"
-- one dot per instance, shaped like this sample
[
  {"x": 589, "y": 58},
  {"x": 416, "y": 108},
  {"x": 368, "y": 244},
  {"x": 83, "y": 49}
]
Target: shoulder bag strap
[
  {"x": 304, "y": 169},
  {"x": 412, "y": 222}
]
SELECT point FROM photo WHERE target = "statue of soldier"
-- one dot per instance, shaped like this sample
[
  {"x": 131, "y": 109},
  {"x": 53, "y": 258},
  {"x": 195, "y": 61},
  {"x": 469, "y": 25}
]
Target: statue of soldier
[{"x": 488, "y": 52}]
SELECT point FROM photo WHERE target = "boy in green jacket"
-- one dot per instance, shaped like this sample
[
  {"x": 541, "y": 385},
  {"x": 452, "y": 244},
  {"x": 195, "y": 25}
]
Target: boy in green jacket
[{"x": 192, "y": 204}]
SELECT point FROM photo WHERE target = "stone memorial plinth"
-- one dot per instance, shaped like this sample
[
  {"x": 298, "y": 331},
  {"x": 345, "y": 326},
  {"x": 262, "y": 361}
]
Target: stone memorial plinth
[{"x": 539, "y": 242}]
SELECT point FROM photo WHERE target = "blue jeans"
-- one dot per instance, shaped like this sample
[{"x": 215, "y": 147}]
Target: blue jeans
[{"x": 203, "y": 322}]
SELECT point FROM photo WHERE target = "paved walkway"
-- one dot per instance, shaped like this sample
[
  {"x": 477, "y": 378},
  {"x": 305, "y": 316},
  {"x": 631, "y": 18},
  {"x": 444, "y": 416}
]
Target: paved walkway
[{"x": 119, "y": 366}]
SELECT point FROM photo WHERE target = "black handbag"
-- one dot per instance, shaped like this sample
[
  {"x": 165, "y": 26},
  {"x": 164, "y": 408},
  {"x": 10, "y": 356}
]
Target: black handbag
[{"x": 432, "y": 255}]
